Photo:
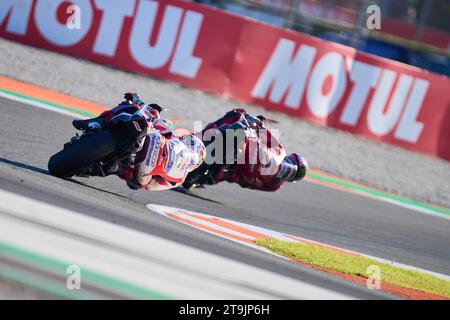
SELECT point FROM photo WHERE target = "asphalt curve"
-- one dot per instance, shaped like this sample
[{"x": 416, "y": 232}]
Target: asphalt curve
[{"x": 29, "y": 136}]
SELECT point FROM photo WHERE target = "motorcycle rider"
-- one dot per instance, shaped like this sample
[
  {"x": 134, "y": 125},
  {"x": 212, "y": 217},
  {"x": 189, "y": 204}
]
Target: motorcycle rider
[
  {"x": 164, "y": 160},
  {"x": 277, "y": 168}
]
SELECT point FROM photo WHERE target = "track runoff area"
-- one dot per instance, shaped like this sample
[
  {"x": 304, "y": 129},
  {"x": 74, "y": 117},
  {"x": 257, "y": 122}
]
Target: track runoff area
[{"x": 399, "y": 279}]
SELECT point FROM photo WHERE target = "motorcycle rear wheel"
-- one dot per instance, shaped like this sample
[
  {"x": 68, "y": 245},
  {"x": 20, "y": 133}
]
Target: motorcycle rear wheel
[{"x": 82, "y": 153}]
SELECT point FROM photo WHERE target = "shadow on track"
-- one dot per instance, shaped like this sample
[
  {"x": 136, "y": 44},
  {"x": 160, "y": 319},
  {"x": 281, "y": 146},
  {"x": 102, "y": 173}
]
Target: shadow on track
[
  {"x": 44, "y": 171},
  {"x": 188, "y": 193},
  {"x": 95, "y": 188},
  {"x": 24, "y": 166}
]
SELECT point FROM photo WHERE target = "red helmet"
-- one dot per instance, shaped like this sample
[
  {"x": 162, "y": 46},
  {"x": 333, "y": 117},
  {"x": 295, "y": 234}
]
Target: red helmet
[{"x": 301, "y": 166}]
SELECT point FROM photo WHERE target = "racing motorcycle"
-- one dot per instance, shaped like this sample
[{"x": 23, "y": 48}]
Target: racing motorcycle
[
  {"x": 205, "y": 173},
  {"x": 94, "y": 153}
]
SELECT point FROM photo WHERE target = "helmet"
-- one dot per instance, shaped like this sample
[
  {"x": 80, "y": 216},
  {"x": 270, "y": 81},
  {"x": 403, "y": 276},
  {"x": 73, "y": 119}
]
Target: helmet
[
  {"x": 301, "y": 166},
  {"x": 156, "y": 107},
  {"x": 197, "y": 147}
]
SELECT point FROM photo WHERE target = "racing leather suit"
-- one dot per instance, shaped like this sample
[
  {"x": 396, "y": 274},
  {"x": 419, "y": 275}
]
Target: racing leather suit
[
  {"x": 267, "y": 171},
  {"x": 164, "y": 160}
]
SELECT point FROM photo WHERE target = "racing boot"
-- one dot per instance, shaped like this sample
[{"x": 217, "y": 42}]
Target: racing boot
[{"x": 89, "y": 125}]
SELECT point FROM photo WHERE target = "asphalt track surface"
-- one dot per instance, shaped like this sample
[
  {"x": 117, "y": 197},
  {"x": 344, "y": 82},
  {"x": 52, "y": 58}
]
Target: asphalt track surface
[{"x": 29, "y": 136}]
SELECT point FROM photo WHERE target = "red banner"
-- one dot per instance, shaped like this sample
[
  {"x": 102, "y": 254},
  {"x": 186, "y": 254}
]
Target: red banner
[
  {"x": 339, "y": 87},
  {"x": 217, "y": 52}
]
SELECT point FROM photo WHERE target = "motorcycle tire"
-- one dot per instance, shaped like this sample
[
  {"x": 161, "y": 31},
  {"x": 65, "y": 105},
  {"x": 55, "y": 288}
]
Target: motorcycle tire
[{"x": 81, "y": 153}]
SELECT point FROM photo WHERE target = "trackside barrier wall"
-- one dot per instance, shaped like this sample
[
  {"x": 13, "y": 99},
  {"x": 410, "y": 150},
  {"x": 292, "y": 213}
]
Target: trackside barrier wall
[{"x": 229, "y": 55}]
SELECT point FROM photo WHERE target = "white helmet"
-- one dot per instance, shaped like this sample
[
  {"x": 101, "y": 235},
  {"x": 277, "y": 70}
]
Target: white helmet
[{"x": 197, "y": 148}]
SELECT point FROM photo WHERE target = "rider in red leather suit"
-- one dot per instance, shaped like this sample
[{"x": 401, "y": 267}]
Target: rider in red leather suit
[{"x": 271, "y": 166}]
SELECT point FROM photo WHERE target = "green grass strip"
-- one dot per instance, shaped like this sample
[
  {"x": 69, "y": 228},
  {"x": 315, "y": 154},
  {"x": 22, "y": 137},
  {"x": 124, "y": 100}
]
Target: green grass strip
[
  {"x": 59, "y": 267},
  {"x": 377, "y": 193},
  {"x": 357, "y": 265},
  {"x": 50, "y": 104}
]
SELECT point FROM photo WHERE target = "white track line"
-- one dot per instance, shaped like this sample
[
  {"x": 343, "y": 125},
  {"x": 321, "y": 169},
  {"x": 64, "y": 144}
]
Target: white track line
[
  {"x": 41, "y": 105},
  {"x": 382, "y": 198}
]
